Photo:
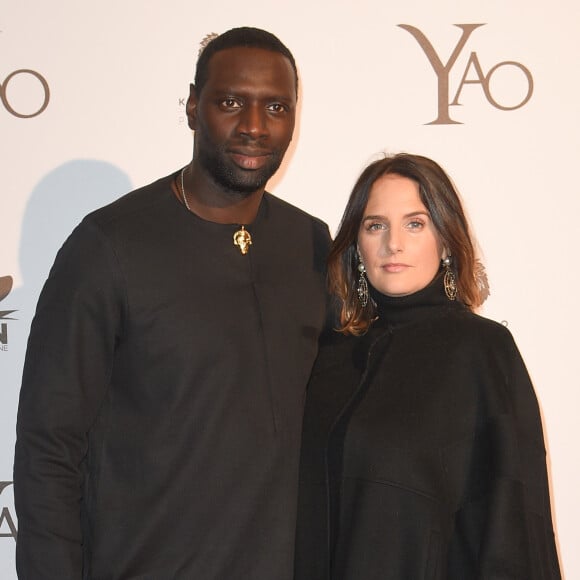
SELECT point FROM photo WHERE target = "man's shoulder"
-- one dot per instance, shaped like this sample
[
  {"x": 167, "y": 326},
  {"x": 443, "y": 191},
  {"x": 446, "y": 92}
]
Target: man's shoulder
[
  {"x": 147, "y": 199},
  {"x": 289, "y": 211}
]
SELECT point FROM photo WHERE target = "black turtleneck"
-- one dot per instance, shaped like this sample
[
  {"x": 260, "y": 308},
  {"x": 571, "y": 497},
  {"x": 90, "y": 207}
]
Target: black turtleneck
[{"x": 431, "y": 301}]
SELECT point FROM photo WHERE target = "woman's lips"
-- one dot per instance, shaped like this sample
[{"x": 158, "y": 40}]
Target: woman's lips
[{"x": 394, "y": 268}]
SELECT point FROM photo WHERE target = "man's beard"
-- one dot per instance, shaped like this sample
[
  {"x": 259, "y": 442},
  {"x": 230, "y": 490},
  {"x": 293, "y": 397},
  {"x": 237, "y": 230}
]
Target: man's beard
[{"x": 232, "y": 178}]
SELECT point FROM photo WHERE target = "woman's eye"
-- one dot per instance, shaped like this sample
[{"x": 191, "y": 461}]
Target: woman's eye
[
  {"x": 415, "y": 225},
  {"x": 375, "y": 226}
]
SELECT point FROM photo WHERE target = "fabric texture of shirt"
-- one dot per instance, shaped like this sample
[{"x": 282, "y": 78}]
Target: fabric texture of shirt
[
  {"x": 423, "y": 455},
  {"x": 160, "y": 412}
]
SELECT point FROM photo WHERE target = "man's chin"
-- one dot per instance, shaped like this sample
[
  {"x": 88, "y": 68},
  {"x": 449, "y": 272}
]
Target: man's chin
[
  {"x": 246, "y": 183},
  {"x": 237, "y": 180}
]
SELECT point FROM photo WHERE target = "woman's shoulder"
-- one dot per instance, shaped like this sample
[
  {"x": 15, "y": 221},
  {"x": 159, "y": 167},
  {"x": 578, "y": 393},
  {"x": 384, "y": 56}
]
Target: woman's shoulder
[
  {"x": 481, "y": 340},
  {"x": 334, "y": 348},
  {"x": 339, "y": 352},
  {"x": 471, "y": 324}
]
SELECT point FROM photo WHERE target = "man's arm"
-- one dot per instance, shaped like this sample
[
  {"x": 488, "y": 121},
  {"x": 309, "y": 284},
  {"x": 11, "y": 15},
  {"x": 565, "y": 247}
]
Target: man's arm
[{"x": 66, "y": 374}]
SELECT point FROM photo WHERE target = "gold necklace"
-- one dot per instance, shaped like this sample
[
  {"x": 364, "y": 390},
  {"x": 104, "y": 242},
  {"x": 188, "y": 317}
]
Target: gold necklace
[{"x": 242, "y": 237}]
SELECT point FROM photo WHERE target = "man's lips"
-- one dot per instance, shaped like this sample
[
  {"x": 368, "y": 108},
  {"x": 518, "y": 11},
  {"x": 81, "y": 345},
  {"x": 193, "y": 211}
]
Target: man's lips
[{"x": 250, "y": 159}]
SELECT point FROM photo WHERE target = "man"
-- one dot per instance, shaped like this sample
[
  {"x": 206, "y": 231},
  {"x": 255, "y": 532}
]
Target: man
[{"x": 160, "y": 412}]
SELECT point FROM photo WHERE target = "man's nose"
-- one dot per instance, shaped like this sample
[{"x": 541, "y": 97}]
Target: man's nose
[{"x": 253, "y": 122}]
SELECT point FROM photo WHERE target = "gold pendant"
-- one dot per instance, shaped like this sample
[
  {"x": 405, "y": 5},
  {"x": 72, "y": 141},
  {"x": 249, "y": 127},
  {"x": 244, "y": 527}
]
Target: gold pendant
[{"x": 243, "y": 239}]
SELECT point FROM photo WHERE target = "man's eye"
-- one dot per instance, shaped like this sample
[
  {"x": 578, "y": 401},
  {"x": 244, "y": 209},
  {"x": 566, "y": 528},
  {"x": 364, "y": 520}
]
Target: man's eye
[
  {"x": 277, "y": 108},
  {"x": 230, "y": 104}
]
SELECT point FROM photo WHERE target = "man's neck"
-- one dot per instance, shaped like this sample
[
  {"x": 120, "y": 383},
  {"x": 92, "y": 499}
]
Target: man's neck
[{"x": 213, "y": 203}]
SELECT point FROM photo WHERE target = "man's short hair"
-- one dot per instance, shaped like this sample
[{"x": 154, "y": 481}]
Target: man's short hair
[{"x": 246, "y": 37}]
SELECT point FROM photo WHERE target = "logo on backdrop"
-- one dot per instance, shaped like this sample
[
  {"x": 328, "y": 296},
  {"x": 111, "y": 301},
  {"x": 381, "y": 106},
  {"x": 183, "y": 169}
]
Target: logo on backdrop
[
  {"x": 473, "y": 64},
  {"x": 181, "y": 116},
  {"x": 7, "y": 525},
  {"x": 14, "y": 102},
  {"x": 5, "y": 287}
]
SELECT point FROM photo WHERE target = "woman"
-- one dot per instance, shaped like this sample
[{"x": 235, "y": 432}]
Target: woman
[{"x": 423, "y": 455}]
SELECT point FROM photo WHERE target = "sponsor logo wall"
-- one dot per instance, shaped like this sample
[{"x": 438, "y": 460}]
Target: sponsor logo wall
[
  {"x": 92, "y": 106},
  {"x": 473, "y": 74},
  {"x": 5, "y": 287}
]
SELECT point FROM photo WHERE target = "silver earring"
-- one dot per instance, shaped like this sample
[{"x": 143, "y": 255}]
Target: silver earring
[
  {"x": 449, "y": 280},
  {"x": 362, "y": 288}
]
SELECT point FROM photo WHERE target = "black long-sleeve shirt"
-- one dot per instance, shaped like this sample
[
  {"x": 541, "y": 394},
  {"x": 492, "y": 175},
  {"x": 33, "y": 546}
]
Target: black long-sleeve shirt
[{"x": 160, "y": 412}]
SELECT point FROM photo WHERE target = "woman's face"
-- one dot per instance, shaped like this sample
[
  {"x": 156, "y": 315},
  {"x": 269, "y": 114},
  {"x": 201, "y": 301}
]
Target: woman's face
[{"x": 397, "y": 241}]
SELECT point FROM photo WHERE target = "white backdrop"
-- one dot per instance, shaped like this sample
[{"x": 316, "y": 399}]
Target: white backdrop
[{"x": 113, "y": 77}]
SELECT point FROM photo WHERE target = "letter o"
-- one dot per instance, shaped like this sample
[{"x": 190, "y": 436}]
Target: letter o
[
  {"x": 9, "y": 107},
  {"x": 528, "y": 76}
]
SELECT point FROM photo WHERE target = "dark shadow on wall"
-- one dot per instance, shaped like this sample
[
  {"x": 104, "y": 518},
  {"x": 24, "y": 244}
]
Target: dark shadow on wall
[{"x": 57, "y": 204}]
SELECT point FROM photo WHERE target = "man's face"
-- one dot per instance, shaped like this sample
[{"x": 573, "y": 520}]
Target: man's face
[{"x": 243, "y": 117}]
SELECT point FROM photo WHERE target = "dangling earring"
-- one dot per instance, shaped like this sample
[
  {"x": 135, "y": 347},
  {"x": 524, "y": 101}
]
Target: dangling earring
[
  {"x": 362, "y": 288},
  {"x": 449, "y": 281}
]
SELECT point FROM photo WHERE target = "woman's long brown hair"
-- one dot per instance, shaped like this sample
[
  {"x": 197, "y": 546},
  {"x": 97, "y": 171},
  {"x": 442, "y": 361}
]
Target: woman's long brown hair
[{"x": 441, "y": 200}]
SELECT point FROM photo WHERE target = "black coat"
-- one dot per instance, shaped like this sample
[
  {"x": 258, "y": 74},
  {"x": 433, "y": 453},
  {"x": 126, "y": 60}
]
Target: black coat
[{"x": 422, "y": 454}]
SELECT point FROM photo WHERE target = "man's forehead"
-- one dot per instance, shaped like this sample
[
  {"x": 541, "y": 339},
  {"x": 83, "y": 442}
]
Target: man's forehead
[
  {"x": 252, "y": 67},
  {"x": 241, "y": 57},
  {"x": 234, "y": 60}
]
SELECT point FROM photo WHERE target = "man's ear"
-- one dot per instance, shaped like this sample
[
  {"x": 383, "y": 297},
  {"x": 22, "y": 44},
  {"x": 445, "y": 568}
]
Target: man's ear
[{"x": 191, "y": 108}]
